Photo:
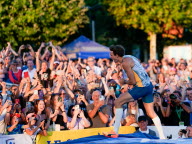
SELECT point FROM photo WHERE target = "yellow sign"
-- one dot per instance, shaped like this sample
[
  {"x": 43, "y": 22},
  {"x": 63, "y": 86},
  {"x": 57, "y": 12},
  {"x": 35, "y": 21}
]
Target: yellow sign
[{"x": 75, "y": 134}]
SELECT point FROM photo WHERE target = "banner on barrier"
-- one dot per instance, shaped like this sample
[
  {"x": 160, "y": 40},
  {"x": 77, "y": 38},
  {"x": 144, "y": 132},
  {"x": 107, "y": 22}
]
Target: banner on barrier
[
  {"x": 15, "y": 139},
  {"x": 60, "y": 136}
]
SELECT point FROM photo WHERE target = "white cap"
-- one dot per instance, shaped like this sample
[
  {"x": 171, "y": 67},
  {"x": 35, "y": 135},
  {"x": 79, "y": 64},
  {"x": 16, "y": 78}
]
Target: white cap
[{"x": 56, "y": 62}]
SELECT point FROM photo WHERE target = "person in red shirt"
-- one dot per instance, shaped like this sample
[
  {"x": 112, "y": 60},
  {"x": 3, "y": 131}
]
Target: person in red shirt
[{"x": 14, "y": 73}]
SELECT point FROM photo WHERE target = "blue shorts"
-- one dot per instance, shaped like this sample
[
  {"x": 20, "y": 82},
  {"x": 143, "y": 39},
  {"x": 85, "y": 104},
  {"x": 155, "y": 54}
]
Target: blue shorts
[{"x": 146, "y": 93}]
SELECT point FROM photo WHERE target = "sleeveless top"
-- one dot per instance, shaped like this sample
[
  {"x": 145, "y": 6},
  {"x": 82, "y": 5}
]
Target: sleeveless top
[{"x": 141, "y": 76}]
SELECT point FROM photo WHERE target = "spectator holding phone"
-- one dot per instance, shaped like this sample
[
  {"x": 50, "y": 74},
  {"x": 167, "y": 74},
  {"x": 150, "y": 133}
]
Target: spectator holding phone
[
  {"x": 30, "y": 72},
  {"x": 57, "y": 112},
  {"x": 17, "y": 107},
  {"x": 29, "y": 108},
  {"x": 76, "y": 118},
  {"x": 80, "y": 100},
  {"x": 39, "y": 109},
  {"x": 15, "y": 127},
  {"x": 44, "y": 69},
  {"x": 32, "y": 129},
  {"x": 4, "y": 114}
]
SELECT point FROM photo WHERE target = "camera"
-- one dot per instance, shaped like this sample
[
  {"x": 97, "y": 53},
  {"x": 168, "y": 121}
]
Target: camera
[
  {"x": 156, "y": 94},
  {"x": 156, "y": 86},
  {"x": 184, "y": 131},
  {"x": 102, "y": 98},
  {"x": 77, "y": 107},
  {"x": 59, "y": 99},
  {"x": 76, "y": 95},
  {"x": 172, "y": 96},
  {"x": 9, "y": 93}
]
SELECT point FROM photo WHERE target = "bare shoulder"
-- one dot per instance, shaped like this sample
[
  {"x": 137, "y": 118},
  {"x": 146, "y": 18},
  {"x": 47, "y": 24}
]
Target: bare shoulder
[{"x": 127, "y": 62}]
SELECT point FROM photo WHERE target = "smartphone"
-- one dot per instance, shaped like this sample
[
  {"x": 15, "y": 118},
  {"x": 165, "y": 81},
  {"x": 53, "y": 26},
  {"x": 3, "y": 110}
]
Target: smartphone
[
  {"x": 47, "y": 44},
  {"x": 111, "y": 88},
  {"x": 36, "y": 92},
  {"x": 9, "y": 93},
  {"x": 102, "y": 98},
  {"x": 59, "y": 99},
  {"x": 26, "y": 74},
  {"x": 28, "y": 104},
  {"x": 76, "y": 95},
  {"x": 9, "y": 98},
  {"x": 76, "y": 107}
]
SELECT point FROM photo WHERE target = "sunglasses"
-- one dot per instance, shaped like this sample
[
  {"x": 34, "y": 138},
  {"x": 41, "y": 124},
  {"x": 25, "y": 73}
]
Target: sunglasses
[{"x": 62, "y": 94}]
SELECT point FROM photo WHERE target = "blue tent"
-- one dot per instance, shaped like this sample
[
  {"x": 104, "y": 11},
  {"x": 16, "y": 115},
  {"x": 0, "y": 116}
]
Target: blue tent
[{"x": 83, "y": 47}]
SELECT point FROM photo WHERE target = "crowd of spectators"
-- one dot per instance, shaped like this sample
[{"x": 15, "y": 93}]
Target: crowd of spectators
[{"x": 44, "y": 91}]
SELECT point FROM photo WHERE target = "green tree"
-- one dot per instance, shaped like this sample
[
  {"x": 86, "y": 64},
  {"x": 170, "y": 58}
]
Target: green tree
[
  {"x": 34, "y": 21},
  {"x": 151, "y": 16}
]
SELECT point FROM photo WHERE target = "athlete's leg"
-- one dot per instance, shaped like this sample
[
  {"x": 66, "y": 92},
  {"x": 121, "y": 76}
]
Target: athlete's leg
[
  {"x": 123, "y": 98},
  {"x": 151, "y": 113}
]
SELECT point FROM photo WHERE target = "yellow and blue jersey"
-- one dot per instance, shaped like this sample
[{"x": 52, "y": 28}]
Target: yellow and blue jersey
[{"x": 141, "y": 76}]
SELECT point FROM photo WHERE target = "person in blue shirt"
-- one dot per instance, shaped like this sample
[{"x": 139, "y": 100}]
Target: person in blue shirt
[{"x": 15, "y": 127}]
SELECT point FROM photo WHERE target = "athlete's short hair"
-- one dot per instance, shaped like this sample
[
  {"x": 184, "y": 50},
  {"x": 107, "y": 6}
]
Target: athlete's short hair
[{"x": 117, "y": 50}]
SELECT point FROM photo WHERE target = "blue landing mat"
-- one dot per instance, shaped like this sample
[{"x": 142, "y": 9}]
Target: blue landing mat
[{"x": 135, "y": 138}]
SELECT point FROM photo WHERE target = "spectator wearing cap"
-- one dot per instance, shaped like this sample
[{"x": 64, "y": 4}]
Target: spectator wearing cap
[
  {"x": 14, "y": 73},
  {"x": 30, "y": 72},
  {"x": 143, "y": 122},
  {"x": 56, "y": 63}
]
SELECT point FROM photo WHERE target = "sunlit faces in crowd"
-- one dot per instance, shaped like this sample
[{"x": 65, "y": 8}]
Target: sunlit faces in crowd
[
  {"x": 96, "y": 95},
  {"x": 30, "y": 64},
  {"x": 91, "y": 61},
  {"x": 39, "y": 106},
  {"x": 7, "y": 60},
  {"x": 44, "y": 66},
  {"x": 189, "y": 94}
]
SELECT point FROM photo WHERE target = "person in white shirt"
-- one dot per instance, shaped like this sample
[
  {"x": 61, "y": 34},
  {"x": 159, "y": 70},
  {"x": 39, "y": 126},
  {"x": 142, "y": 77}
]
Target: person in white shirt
[
  {"x": 30, "y": 71},
  {"x": 91, "y": 66},
  {"x": 76, "y": 118}
]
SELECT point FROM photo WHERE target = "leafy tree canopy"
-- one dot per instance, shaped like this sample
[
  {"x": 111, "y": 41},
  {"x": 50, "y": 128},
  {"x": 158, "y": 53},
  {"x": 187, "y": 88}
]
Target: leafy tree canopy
[
  {"x": 34, "y": 21},
  {"x": 151, "y": 15}
]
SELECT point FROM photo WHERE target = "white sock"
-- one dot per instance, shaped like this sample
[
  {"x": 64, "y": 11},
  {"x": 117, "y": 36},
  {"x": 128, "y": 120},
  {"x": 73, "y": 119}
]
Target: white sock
[
  {"x": 158, "y": 125},
  {"x": 118, "y": 116}
]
